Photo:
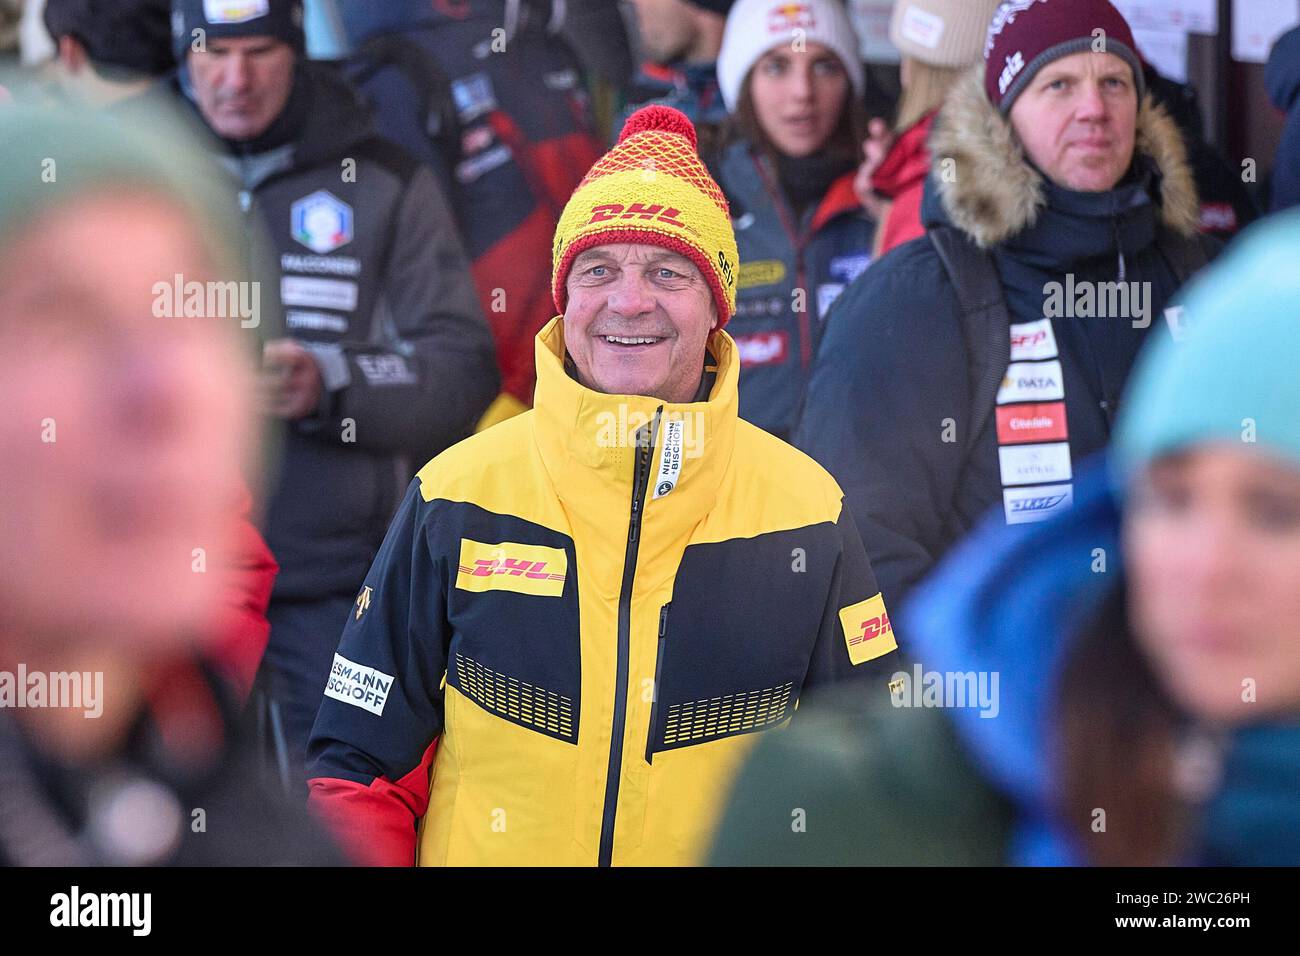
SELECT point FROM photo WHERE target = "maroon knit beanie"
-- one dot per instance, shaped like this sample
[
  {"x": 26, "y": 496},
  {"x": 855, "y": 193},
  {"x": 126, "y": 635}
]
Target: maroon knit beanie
[{"x": 1026, "y": 35}]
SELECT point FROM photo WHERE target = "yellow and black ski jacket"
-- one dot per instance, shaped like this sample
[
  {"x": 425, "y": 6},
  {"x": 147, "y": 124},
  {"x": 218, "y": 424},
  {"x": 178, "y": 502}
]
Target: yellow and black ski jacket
[{"x": 576, "y": 623}]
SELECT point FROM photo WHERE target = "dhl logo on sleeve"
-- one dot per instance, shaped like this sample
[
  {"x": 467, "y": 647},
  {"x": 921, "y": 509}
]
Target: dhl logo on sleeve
[
  {"x": 867, "y": 630},
  {"x": 523, "y": 568}
]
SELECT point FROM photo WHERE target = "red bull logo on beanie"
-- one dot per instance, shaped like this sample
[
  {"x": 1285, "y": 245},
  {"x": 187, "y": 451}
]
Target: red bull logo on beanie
[
  {"x": 790, "y": 16},
  {"x": 235, "y": 11}
]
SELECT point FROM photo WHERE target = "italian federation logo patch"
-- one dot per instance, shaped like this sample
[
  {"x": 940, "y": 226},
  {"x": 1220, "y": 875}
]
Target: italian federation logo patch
[{"x": 322, "y": 222}]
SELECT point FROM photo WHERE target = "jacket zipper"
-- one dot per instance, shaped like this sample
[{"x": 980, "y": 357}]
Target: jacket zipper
[
  {"x": 640, "y": 480},
  {"x": 798, "y": 243},
  {"x": 659, "y": 668},
  {"x": 246, "y": 224}
]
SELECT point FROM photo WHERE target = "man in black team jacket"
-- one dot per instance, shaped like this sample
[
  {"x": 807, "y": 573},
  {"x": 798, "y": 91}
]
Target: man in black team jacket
[{"x": 386, "y": 359}]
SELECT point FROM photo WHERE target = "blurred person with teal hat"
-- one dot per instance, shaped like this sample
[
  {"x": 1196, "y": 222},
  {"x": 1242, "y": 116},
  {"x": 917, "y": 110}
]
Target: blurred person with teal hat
[{"x": 1146, "y": 644}]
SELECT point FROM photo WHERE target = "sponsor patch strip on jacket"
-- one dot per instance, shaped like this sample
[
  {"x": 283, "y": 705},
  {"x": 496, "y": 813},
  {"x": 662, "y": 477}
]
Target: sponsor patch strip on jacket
[
  {"x": 358, "y": 685},
  {"x": 1032, "y": 430},
  {"x": 670, "y": 457}
]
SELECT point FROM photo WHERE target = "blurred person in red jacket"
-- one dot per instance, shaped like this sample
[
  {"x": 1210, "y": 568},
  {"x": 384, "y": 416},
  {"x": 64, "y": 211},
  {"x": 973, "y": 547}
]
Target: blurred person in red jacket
[
  {"x": 938, "y": 40},
  {"x": 503, "y": 86}
]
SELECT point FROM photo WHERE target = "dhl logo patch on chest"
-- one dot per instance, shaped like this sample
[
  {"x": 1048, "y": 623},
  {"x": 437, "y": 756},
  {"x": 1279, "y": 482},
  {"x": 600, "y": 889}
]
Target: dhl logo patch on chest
[
  {"x": 522, "y": 568},
  {"x": 867, "y": 630}
]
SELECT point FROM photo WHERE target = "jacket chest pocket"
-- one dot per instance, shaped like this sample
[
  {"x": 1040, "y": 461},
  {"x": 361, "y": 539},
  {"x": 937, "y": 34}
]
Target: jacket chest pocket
[
  {"x": 515, "y": 650},
  {"x": 736, "y": 664}
]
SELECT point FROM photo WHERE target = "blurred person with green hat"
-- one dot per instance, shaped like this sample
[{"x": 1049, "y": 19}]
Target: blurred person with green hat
[
  {"x": 1141, "y": 648},
  {"x": 128, "y": 417},
  {"x": 111, "y": 56}
]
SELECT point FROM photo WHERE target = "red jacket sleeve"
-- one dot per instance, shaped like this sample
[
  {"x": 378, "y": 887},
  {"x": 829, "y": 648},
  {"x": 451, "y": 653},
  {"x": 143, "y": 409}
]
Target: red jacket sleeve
[
  {"x": 248, "y": 573},
  {"x": 375, "y": 823},
  {"x": 371, "y": 752}
]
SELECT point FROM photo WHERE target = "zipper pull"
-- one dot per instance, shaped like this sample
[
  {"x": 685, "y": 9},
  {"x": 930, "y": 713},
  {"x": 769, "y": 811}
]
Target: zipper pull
[
  {"x": 634, "y": 526},
  {"x": 1119, "y": 249},
  {"x": 663, "y": 620}
]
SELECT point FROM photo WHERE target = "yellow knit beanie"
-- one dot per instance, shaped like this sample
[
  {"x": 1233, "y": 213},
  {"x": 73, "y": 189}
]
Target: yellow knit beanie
[{"x": 652, "y": 188}]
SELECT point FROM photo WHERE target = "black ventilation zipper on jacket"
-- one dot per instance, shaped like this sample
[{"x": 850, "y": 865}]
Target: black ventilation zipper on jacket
[
  {"x": 659, "y": 673},
  {"x": 645, "y": 441}
]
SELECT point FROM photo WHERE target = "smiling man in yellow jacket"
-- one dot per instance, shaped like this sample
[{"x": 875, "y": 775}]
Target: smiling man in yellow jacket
[{"x": 581, "y": 616}]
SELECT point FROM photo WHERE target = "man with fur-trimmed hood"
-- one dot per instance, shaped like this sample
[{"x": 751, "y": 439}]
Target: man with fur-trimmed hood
[{"x": 1059, "y": 184}]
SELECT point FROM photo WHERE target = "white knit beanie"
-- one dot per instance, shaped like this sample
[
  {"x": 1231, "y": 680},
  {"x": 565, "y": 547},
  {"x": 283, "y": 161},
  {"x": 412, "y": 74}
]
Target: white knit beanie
[
  {"x": 942, "y": 32},
  {"x": 756, "y": 26}
]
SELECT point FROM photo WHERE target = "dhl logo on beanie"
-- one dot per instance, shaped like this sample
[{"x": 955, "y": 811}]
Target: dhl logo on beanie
[{"x": 652, "y": 188}]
